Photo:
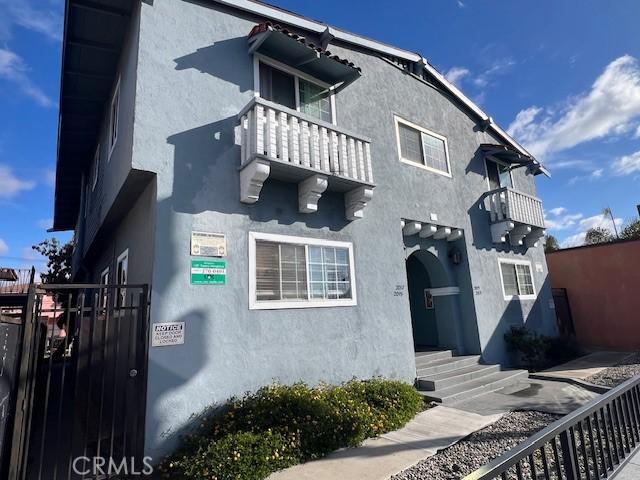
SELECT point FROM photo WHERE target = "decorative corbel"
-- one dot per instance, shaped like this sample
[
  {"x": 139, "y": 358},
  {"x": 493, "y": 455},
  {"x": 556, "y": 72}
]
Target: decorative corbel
[
  {"x": 310, "y": 191},
  {"x": 355, "y": 201},
  {"x": 252, "y": 178}
]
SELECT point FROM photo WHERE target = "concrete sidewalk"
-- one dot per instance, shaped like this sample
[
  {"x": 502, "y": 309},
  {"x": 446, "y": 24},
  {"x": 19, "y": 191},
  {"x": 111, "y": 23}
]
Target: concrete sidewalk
[
  {"x": 631, "y": 471},
  {"x": 583, "y": 367},
  {"x": 379, "y": 458}
]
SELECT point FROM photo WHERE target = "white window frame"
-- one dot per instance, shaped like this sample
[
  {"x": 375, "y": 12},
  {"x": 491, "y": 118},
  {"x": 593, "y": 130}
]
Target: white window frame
[
  {"x": 104, "y": 275},
  {"x": 297, "y": 75},
  {"x": 113, "y": 131},
  {"x": 533, "y": 281},
  {"x": 96, "y": 168},
  {"x": 486, "y": 172},
  {"x": 122, "y": 292},
  {"x": 254, "y": 304},
  {"x": 397, "y": 121}
]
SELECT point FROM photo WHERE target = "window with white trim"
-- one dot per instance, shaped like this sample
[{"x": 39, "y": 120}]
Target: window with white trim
[
  {"x": 96, "y": 168},
  {"x": 294, "y": 90},
  {"x": 421, "y": 147},
  {"x": 104, "y": 280},
  {"x": 517, "y": 279},
  {"x": 114, "y": 112},
  {"x": 122, "y": 268},
  {"x": 296, "y": 272}
]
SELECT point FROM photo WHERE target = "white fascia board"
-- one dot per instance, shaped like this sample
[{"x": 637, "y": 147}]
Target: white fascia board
[{"x": 275, "y": 13}]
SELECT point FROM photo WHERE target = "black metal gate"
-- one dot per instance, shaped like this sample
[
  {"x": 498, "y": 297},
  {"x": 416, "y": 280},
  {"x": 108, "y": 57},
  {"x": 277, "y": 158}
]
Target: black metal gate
[
  {"x": 81, "y": 395},
  {"x": 563, "y": 311}
]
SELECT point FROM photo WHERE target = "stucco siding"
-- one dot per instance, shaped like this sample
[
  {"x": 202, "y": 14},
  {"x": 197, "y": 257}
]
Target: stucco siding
[{"x": 194, "y": 76}]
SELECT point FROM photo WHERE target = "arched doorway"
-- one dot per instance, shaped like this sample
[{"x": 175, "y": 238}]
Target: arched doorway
[{"x": 424, "y": 273}]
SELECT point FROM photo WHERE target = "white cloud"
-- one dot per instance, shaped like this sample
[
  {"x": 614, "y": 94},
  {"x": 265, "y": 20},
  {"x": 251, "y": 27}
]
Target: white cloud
[
  {"x": 10, "y": 185},
  {"x": 456, "y": 74},
  {"x": 461, "y": 4},
  {"x": 4, "y": 248},
  {"x": 585, "y": 224},
  {"x": 557, "y": 211},
  {"x": 562, "y": 222},
  {"x": 627, "y": 164},
  {"x": 45, "y": 19},
  {"x": 612, "y": 103},
  {"x": 637, "y": 134},
  {"x": 593, "y": 175},
  {"x": 14, "y": 69},
  {"x": 50, "y": 177},
  {"x": 498, "y": 67},
  {"x": 573, "y": 240},
  {"x": 45, "y": 223}
]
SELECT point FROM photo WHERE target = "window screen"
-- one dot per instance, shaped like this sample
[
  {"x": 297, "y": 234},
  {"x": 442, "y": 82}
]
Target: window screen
[
  {"x": 517, "y": 279},
  {"x": 287, "y": 271},
  {"x": 277, "y": 86},
  {"x": 410, "y": 147},
  {"x": 314, "y": 100},
  {"x": 434, "y": 153}
]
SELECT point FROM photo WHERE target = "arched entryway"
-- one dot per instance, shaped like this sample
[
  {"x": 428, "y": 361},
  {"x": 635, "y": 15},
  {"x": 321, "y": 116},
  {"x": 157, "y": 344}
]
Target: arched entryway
[{"x": 433, "y": 299}]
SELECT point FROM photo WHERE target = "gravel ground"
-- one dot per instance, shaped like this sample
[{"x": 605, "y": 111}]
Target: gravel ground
[
  {"x": 612, "y": 376},
  {"x": 479, "y": 448}
]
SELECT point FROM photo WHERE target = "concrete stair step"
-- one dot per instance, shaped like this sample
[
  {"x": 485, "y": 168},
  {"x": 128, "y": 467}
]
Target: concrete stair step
[
  {"x": 446, "y": 365},
  {"x": 425, "y": 357},
  {"x": 450, "y": 378},
  {"x": 473, "y": 388}
]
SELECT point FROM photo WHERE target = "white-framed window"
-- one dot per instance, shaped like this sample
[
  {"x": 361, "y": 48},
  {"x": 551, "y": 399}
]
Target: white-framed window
[
  {"x": 517, "y": 279},
  {"x": 422, "y": 148},
  {"x": 104, "y": 280},
  {"x": 284, "y": 85},
  {"x": 498, "y": 174},
  {"x": 114, "y": 113},
  {"x": 122, "y": 268},
  {"x": 96, "y": 168},
  {"x": 299, "y": 272}
]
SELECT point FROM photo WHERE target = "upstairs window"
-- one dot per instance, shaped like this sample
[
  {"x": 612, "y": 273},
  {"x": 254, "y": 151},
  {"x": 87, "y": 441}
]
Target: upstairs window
[
  {"x": 517, "y": 280},
  {"x": 422, "y": 148},
  {"x": 498, "y": 175},
  {"x": 286, "y": 87},
  {"x": 114, "y": 112},
  {"x": 294, "y": 272},
  {"x": 96, "y": 168}
]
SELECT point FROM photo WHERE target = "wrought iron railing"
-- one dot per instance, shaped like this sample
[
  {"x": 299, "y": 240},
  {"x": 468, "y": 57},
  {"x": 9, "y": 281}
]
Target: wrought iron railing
[{"x": 590, "y": 443}]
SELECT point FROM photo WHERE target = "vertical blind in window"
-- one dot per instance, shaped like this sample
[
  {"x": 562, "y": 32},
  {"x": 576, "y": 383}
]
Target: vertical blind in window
[
  {"x": 516, "y": 279},
  {"x": 419, "y": 147},
  {"x": 286, "y": 271}
]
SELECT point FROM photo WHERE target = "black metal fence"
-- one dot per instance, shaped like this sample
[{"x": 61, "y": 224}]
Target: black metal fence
[
  {"x": 82, "y": 381},
  {"x": 590, "y": 443}
]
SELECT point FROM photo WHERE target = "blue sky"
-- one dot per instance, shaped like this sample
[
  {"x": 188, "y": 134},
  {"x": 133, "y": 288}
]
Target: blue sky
[{"x": 562, "y": 76}]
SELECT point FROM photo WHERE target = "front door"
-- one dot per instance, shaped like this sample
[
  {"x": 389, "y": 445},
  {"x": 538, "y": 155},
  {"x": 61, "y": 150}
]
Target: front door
[{"x": 423, "y": 313}]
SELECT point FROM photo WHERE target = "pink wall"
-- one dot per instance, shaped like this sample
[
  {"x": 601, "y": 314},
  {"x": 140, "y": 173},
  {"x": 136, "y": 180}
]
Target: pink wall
[{"x": 603, "y": 285}]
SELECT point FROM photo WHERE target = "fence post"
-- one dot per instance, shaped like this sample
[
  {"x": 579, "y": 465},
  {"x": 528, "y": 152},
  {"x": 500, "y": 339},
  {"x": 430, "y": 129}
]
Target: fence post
[{"x": 568, "y": 456}]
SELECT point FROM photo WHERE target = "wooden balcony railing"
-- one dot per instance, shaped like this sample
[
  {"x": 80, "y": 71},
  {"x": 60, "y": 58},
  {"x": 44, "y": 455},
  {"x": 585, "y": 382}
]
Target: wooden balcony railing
[
  {"x": 282, "y": 143},
  {"x": 517, "y": 214}
]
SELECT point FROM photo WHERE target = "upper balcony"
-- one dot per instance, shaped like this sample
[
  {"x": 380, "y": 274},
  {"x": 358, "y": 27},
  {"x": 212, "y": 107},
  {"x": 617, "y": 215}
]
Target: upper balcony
[
  {"x": 516, "y": 215},
  {"x": 288, "y": 145}
]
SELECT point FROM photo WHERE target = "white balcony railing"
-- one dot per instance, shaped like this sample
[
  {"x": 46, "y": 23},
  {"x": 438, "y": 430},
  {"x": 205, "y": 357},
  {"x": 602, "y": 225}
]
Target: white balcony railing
[
  {"x": 288, "y": 145},
  {"x": 517, "y": 214}
]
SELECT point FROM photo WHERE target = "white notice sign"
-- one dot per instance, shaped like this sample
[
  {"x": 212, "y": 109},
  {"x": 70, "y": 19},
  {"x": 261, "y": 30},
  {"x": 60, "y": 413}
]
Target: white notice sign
[
  {"x": 205, "y": 244},
  {"x": 167, "y": 334}
]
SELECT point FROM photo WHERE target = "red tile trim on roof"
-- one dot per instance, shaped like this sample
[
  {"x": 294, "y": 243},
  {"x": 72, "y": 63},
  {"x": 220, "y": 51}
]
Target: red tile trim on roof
[{"x": 265, "y": 26}]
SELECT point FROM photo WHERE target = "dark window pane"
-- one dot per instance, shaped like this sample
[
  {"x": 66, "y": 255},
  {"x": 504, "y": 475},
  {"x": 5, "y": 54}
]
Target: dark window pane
[{"x": 277, "y": 86}]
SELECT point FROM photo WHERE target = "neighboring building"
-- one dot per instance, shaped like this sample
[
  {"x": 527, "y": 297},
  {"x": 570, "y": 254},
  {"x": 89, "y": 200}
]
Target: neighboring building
[
  {"x": 343, "y": 173},
  {"x": 601, "y": 283}
]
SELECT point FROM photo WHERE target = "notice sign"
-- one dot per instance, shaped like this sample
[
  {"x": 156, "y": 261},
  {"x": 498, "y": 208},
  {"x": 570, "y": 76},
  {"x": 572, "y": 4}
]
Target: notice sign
[
  {"x": 165, "y": 334},
  {"x": 205, "y": 244},
  {"x": 208, "y": 272}
]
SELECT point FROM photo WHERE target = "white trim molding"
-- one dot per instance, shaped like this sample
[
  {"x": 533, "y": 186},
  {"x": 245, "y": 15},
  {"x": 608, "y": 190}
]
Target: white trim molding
[
  {"x": 423, "y": 131},
  {"x": 114, "y": 113},
  {"x": 520, "y": 296},
  {"x": 254, "y": 304}
]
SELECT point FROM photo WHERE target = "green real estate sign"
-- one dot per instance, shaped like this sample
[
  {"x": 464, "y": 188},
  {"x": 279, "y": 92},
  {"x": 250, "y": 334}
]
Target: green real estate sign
[{"x": 208, "y": 272}]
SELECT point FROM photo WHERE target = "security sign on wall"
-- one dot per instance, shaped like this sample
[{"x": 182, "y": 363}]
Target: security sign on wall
[
  {"x": 205, "y": 244},
  {"x": 165, "y": 334},
  {"x": 208, "y": 272}
]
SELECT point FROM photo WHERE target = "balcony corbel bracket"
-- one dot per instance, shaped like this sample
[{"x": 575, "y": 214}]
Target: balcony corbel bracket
[
  {"x": 518, "y": 233},
  {"x": 442, "y": 233},
  {"x": 411, "y": 228},
  {"x": 355, "y": 201},
  {"x": 310, "y": 191},
  {"x": 428, "y": 230},
  {"x": 499, "y": 231},
  {"x": 531, "y": 240},
  {"x": 252, "y": 178}
]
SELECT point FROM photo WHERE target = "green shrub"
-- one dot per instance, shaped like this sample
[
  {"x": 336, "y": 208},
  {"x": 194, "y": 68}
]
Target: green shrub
[
  {"x": 532, "y": 347},
  {"x": 280, "y": 426}
]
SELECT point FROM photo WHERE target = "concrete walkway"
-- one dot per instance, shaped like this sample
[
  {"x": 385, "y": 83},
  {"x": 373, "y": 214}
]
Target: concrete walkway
[
  {"x": 583, "y": 367},
  {"x": 631, "y": 471},
  {"x": 379, "y": 458}
]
